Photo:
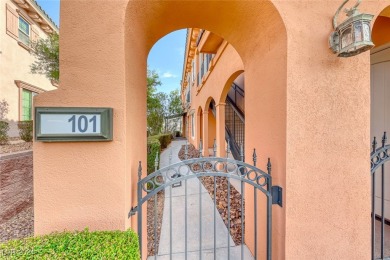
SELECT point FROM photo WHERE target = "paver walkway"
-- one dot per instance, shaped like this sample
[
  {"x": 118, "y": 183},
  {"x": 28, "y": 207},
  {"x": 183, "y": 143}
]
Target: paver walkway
[{"x": 195, "y": 190}]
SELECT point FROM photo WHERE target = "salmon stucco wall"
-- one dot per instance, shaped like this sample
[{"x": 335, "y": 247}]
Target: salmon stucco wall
[
  {"x": 305, "y": 108},
  {"x": 84, "y": 184},
  {"x": 328, "y": 138}
]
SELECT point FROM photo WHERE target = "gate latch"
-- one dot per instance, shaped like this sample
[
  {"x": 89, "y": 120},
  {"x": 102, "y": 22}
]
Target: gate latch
[
  {"x": 133, "y": 211},
  {"x": 177, "y": 184},
  {"x": 277, "y": 195}
]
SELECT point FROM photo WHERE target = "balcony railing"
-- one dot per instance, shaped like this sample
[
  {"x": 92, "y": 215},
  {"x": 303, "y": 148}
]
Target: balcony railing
[{"x": 237, "y": 95}]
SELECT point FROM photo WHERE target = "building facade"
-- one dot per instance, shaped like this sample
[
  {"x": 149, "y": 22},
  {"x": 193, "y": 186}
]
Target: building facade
[
  {"x": 305, "y": 108},
  {"x": 24, "y": 22}
]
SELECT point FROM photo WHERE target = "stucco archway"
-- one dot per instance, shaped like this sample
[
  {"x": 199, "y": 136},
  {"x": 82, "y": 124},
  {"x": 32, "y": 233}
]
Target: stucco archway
[{"x": 144, "y": 28}]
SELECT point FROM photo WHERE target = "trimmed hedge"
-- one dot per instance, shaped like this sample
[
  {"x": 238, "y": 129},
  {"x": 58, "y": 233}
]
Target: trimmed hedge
[
  {"x": 155, "y": 144},
  {"x": 77, "y": 245},
  {"x": 165, "y": 139},
  {"x": 26, "y": 130},
  {"x": 154, "y": 147},
  {"x": 4, "y": 127}
]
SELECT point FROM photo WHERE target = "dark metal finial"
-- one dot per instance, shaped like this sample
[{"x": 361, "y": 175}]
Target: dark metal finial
[
  {"x": 242, "y": 152},
  {"x": 384, "y": 139},
  {"x": 139, "y": 170},
  {"x": 269, "y": 166},
  {"x": 156, "y": 162},
  {"x": 374, "y": 143},
  {"x": 215, "y": 148},
  {"x": 228, "y": 149},
  {"x": 200, "y": 149},
  {"x": 254, "y": 157}
]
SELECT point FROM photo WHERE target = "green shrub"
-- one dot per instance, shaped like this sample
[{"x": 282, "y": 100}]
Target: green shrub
[
  {"x": 155, "y": 144},
  {"x": 4, "y": 127},
  {"x": 154, "y": 147},
  {"x": 76, "y": 245},
  {"x": 26, "y": 130},
  {"x": 165, "y": 139}
]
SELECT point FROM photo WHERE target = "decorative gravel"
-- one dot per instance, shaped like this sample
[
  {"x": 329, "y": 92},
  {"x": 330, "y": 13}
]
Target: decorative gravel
[
  {"x": 150, "y": 222},
  {"x": 19, "y": 226},
  {"x": 221, "y": 197},
  {"x": 15, "y": 147}
]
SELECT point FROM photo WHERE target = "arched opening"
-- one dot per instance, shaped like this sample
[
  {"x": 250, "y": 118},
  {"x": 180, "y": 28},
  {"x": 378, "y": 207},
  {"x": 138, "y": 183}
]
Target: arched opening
[
  {"x": 200, "y": 125},
  {"x": 380, "y": 123},
  {"x": 263, "y": 54},
  {"x": 119, "y": 52},
  {"x": 211, "y": 112},
  {"x": 234, "y": 98}
]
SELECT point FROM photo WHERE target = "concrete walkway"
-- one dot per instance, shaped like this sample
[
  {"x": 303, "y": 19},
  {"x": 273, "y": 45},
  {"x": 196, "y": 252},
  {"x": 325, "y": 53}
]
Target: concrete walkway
[{"x": 195, "y": 192}]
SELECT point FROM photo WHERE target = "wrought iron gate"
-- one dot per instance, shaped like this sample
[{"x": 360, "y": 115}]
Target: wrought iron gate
[
  {"x": 379, "y": 156},
  {"x": 251, "y": 180}
]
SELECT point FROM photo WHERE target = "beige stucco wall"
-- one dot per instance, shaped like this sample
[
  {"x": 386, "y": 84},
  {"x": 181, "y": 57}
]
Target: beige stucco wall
[
  {"x": 15, "y": 64},
  {"x": 305, "y": 108}
]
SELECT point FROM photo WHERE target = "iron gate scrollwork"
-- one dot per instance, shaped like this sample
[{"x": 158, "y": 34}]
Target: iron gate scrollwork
[
  {"x": 379, "y": 156},
  {"x": 166, "y": 178}
]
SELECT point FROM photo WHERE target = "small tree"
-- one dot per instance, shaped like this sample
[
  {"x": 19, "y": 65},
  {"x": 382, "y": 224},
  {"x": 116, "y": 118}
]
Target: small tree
[
  {"x": 46, "y": 52},
  {"x": 4, "y": 108},
  {"x": 174, "y": 103},
  {"x": 4, "y": 126},
  {"x": 155, "y": 103},
  {"x": 174, "y": 107}
]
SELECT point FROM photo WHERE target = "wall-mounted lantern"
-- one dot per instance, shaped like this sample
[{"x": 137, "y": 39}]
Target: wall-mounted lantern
[{"x": 353, "y": 36}]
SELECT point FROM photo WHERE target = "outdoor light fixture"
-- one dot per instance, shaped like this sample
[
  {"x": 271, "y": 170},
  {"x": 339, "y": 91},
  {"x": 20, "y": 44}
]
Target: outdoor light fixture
[{"x": 353, "y": 36}]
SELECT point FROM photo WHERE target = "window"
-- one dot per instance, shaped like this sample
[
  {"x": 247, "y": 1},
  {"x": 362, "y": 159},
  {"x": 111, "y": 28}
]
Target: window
[
  {"x": 26, "y": 95},
  {"x": 24, "y": 31},
  {"x": 27, "y": 98}
]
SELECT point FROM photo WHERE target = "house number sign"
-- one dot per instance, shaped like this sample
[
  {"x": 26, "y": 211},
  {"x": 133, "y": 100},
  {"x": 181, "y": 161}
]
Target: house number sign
[{"x": 69, "y": 124}]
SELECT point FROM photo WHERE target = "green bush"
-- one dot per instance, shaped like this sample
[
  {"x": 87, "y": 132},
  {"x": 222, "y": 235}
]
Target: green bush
[
  {"x": 165, "y": 139},
  {"x": 154, "y": 147},
  {"x": 76, "y": 245},
  {"x": 4, "y": 127},
  {"x": 155, "y": 144},
  {"x": 26, "y": 130}
]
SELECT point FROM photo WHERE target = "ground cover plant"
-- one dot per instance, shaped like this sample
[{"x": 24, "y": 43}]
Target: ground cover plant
[{"x": 76, "y": 245}]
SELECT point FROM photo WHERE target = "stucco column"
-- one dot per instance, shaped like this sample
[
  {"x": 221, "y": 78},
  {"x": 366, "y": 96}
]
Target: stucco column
[
  {"x": 205, "y": 133},
  {"x": 220, "y": 130},
  {"x": 198, "y": 131},
  {"x": 88, "y": 184}
]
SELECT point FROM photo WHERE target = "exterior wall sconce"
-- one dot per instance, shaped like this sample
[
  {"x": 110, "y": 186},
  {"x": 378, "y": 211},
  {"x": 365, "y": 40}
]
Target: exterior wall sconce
[{"x": 353, "y": 36}]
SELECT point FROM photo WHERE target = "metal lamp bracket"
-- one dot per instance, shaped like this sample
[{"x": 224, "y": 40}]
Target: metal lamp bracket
[{"x": 349, "y": 12}]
